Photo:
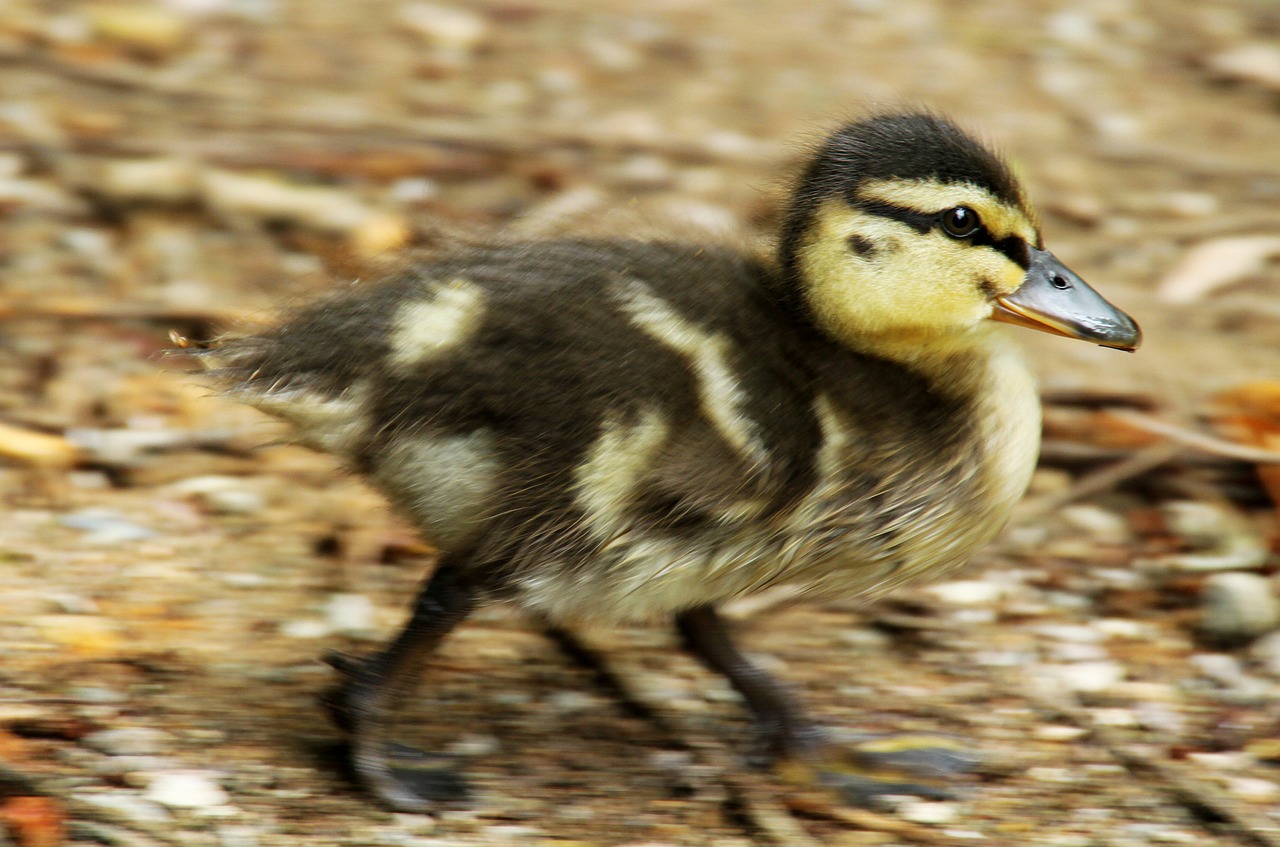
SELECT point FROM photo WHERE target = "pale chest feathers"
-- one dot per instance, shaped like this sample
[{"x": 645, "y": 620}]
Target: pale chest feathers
[{"x": 878, "y": 520}]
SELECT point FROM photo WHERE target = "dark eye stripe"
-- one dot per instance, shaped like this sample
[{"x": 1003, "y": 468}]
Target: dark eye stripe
[{"x": 1011, "y": 246}]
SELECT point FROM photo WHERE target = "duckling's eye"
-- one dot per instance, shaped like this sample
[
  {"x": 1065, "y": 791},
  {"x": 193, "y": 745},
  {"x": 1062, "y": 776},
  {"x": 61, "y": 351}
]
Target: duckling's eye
[{"x": 961, "y": 222}]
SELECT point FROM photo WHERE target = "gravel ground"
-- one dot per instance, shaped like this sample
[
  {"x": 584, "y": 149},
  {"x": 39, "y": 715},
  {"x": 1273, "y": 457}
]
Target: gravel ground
[{"x": 169, "y": 573}]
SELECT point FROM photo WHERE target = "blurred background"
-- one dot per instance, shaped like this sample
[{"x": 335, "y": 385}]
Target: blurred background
[{"x": 169, "y": 572}]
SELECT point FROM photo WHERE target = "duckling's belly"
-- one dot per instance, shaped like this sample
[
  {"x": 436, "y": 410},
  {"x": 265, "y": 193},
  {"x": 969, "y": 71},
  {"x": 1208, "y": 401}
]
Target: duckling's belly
[
  {"x": 874, "y": 518},
  {"x": 835, "y": 544}
]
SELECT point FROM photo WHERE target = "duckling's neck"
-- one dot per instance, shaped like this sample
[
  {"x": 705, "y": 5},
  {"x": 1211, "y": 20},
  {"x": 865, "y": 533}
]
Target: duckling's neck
[
  {"x": 985, "y": 369},
  {"x": 982, "y": 370}
]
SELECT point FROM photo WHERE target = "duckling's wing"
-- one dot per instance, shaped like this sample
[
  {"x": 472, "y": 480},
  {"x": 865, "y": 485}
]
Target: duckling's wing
[{"x": 548, "y": 386}]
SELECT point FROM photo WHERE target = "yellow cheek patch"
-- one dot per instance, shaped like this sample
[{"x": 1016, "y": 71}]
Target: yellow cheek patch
[
  {"x": 894, "y": 284},
  {"x": 929, "y": 196}
]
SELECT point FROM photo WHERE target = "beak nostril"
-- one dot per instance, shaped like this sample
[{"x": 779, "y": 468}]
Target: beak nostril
[{"x": 1060, "y": 282}]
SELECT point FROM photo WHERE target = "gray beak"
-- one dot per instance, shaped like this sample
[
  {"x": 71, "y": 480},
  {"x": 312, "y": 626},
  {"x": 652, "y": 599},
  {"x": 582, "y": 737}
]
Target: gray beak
[{"x": 1053, "y": 299}]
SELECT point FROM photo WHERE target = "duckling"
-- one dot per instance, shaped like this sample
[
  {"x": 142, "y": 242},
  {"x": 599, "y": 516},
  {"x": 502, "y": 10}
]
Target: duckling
[{"x": 613, "y": 430}]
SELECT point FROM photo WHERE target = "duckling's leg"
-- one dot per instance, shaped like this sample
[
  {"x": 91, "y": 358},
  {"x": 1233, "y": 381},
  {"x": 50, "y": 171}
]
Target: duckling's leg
[
  {"x": 866, "y": 767},
  {"x": 365, "y": 700}
]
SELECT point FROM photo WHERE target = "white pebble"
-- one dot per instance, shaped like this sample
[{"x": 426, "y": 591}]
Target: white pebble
[
  {"x": 967, "y": 592},
  {"x": 306, "y": 628},
  {"x": 1222, "y": 668},
  {"x": 244, "y": 580},
  {"x": 473, "y": 745},
  {"x": 448, "y": 27},
  {"x": 1103, "y": 525},
  {"x": 1254, "y": 790},
  {"x": 1058, "y": 732},
  {"x": 1266, "y": 651},
  {"x": 1075, "y": 27},
  {"x": 186, "y": 790},
  {"x": 923, "y": 811},
  {"x": 1086, "y": 676},
  {"x": 1226, "y": 761},
  {"x": 349, "y": 613},
  {"x": 1114, "y": 716},
  {"x": 571, "y": 701},
  {"x": 223, "y": 495},
  {"x": 1129, "y": 630},
  {"x": 1239, "y": 606}
]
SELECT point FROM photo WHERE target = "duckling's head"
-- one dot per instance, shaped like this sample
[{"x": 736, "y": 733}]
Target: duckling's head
[{"x": 906, "y": 233}]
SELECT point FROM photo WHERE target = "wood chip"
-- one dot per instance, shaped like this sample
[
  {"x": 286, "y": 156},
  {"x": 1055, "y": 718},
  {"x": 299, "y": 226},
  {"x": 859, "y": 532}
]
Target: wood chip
[{"x": 36, "y": 449}]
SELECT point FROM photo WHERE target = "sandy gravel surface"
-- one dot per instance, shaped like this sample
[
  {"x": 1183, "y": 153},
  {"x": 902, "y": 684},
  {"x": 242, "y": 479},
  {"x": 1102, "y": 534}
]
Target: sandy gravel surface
[{"x": 169, "y": 573}]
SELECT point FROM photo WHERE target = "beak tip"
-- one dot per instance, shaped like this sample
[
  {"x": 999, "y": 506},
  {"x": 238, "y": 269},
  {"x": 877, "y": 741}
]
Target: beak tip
[{"x": 1127, "y": 337}]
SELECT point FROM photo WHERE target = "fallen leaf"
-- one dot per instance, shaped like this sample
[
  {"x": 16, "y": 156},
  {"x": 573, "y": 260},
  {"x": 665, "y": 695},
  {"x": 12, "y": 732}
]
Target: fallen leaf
[
  {"x": 33, "y": 821},
  {"x": 1212, "y": 264}
]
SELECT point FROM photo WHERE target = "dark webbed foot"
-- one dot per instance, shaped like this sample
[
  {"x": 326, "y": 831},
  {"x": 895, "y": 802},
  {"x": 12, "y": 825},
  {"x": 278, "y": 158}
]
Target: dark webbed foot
[
  {"x": 859, "y": 768},
  {"x": 863, "y": 768},
  {"x": 364, "y": 700}
]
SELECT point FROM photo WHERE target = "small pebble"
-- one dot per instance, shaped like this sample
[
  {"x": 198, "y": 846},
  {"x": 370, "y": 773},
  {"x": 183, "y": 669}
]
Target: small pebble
[
  {"x": 1266, "y": 652},
  {"x": 571, "y": 701},
  {"x": 129, "y": 741},
  {"x": 1129, "y": 630},
  {"x": 222, "y": 494},
  {"x": 448, "y": 27},
  {"x": 348, "y": 613},
  {"x": 1239, "y": 606},
  {"x": 1219, "y": 667},
  {"x": 1058, "y": 732},
  {"x": 157, "y": 180},
  {"x": 244, "y": 580},
  {"x": 1160, "y": 717},
  {"x": 1045, "y": 774},
  {"x": 473, "y": 745},
  {"x": 967, "y": 592},
  {"x": 1101, "y": 524},
  {"x": 1253, "y": 790},
  {"x": 104, "y": 527},
  {"x": 1086, "y": 677},
  {"x": 306, "y": 628},
  {"x": 926, "y": 812},
  {"x": 1115, "y": 716},
  {"x": 186, "y": 790},
  {"x": 1226, "y": 761}
]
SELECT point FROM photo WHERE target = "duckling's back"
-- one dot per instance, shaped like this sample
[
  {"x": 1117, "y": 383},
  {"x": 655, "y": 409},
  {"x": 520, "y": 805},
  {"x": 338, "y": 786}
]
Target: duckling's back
[{"x": 612, "y": 429}]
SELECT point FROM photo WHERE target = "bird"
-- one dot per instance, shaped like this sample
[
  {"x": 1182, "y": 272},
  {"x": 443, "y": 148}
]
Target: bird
[{"x": 611, "y": 429}]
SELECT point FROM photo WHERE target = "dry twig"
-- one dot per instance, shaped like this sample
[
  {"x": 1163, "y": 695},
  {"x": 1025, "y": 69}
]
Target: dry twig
[{"x": 1196, "y": 440}]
